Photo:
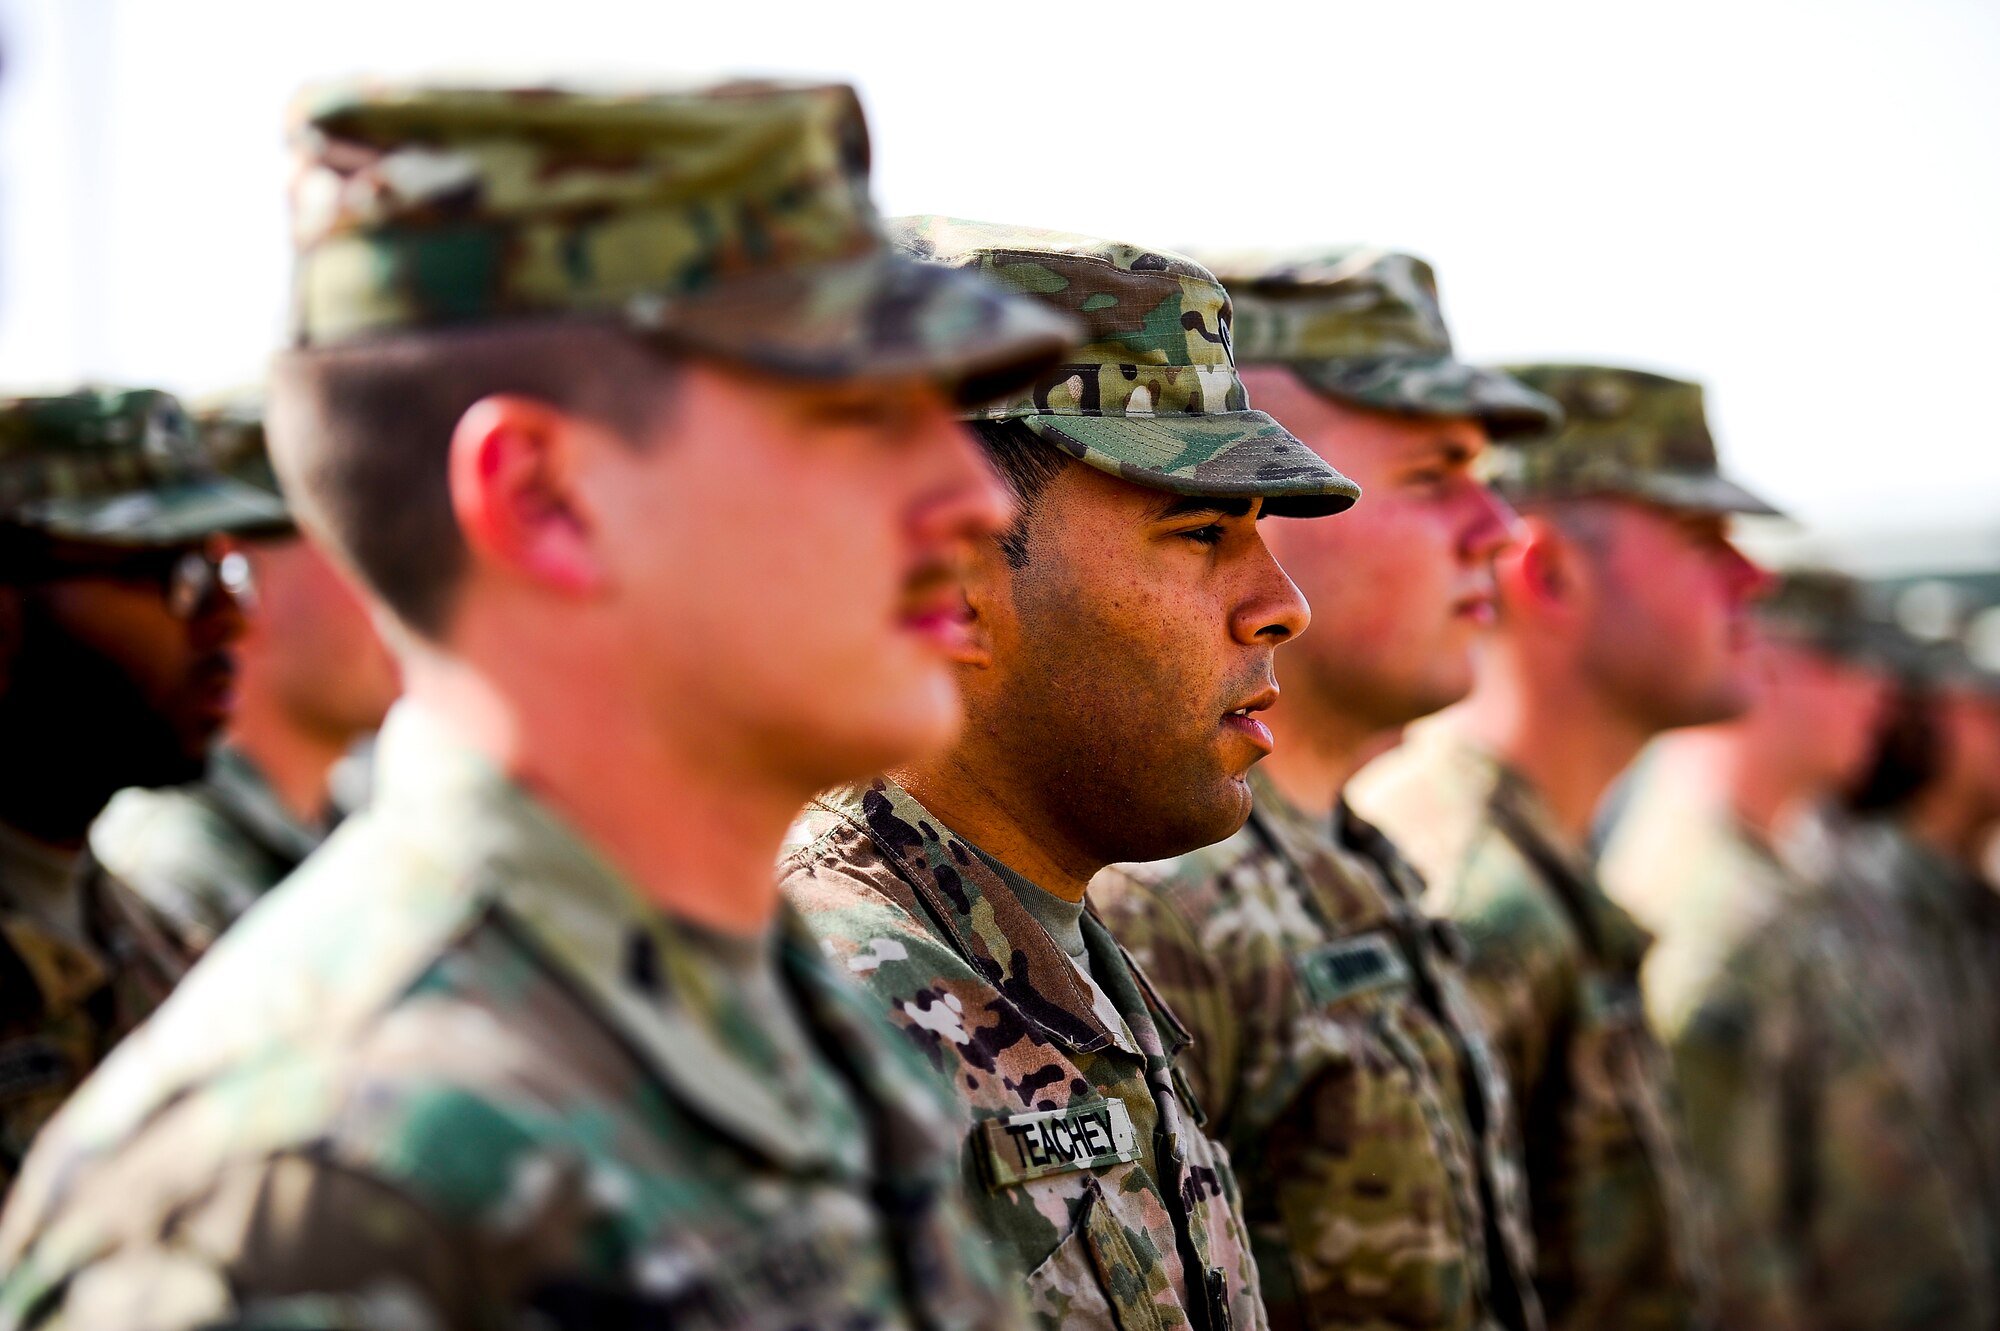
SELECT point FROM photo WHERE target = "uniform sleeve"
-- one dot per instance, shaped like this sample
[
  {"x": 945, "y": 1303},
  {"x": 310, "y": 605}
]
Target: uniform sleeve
[
  {"x": 291, "y": 1242},
  {"x": 1192, "y": 980}
]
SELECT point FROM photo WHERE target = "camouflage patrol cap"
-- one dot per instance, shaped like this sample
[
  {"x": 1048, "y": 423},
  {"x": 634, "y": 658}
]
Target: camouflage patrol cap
[
  {"x": 1153, "y": 396},
  {"x": 1825, "y": 611},
  {"x": 120, "y": 467},
  {"x": 730, "y": 220},
  {"x": 232, "y": 426},
  {"x": 1363, "y": 324},
  {"x": 1625, "y": 432}
]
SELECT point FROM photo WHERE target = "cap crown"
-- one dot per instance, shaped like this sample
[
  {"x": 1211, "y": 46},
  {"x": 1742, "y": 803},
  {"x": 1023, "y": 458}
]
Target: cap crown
[
  {"x": 1334, "y": 304},
  {"x": 1156, "y": 324},
  {"x": 426, "y": 207},
  {"x": 1822, "y": 609},
  {"x": 1624, "y": 432},
  {"x": 94, "y": 444}
]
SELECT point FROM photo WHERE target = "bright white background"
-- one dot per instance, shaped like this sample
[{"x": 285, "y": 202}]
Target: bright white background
[{"x": 1797, "y": 201}]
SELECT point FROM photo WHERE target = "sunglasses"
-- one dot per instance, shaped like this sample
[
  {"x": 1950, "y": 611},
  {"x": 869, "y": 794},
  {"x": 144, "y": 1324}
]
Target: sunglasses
[{"x": 187, "y": 579}]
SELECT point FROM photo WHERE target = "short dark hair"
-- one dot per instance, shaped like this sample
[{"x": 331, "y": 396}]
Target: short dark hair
[
  {"x": 1027, "y": 462},
  {"x": 361, "y": 437}
]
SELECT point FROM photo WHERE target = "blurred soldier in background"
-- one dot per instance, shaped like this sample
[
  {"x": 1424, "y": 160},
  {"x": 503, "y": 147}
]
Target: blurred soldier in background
[
  {"x": 1908, "y": 859},
  {"x": 118, "y": 613},
  {"x": 1336, "y": 1048},
  {"x": 1622, "y": 613},
  {"x": 1118, "y": 638},
  {"x": 592, "y": 391},
  {"x": 313, "y": 680},
  {"x": 1810, "y": 1051}
]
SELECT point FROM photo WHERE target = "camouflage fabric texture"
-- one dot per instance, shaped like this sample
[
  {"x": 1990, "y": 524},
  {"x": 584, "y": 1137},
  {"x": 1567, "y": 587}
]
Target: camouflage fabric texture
[
  {"x": 730, "y": 220},
  {"x": 1364, "y": 324},
  {"x": 457, "y": 1073},
  {"x": 1826, "y": 612},
  {"x": 1340, "y": 1058},
  {"x": 1086, "y": 1160},
  {"x": 71, "y": 985},
  {"x": 1939, "y": 921},
  {"x": 1809, "y": 1060},
  {"x": 202, "y": 854},
  {"x": 232, "y": 424},
  {"x": 1620, "y": 1239},
  {"x": 1625, "y": 433},
  {"x": 118, "y": 466},
  {"x": 1152, "y": 396}
]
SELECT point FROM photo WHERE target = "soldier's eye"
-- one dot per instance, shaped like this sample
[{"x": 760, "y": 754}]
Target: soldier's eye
[{"x": 1212, "y": 534}]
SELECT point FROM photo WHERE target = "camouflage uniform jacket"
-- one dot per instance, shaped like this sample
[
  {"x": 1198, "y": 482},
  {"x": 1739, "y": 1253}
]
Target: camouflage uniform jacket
[
  {"x": 66, "y": 999},
  {"x": 201, "y": 854},
  {"x": 1340, "y": 1057},
  {"x": 458, "y": 1074},
  {"x": 1949, "y": 920},
  {"x": 1064, "y": 1101},
  {"x": 1813, "y": 1105},
  {"x": 1619, "y": 1240}
]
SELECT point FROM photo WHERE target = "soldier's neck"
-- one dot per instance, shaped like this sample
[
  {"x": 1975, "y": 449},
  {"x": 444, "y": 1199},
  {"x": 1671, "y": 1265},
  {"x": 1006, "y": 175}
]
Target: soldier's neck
[
  {"x": 1950, "y": 818},
  {"x": 1318, "y": 752},
  {"x": 295, "y": 760},
  {"x": 690, "y": 831},
  {"x": 1726, "y": 764},
  {"x": 1558, "y": 737},
  {"x": 976, "y": 800}
]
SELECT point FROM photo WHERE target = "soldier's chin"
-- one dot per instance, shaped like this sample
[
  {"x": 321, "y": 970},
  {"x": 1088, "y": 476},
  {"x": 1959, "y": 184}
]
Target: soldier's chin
[
  {"x": 1217, "y": 816},
  {"x": 908, "y": 724}
]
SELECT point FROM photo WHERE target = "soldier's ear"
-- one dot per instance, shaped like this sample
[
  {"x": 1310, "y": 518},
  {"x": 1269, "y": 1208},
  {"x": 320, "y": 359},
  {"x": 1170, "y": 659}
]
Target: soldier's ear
[
  {"x": 988, "y": 595},
  {"x": 10, "y": 634},
  {"x": 1536, "y": 570},
  {"x": 515, "y": 492}
]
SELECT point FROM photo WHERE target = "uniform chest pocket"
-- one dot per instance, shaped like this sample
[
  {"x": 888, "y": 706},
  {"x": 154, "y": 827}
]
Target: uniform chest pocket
[{"x": 1096, "y": 1279}]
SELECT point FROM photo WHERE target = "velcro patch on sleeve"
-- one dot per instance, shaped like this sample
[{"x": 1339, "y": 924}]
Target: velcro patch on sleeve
[
  {"x": 1091, "y": 1134},
  {"x": 1352, "y": 966}
]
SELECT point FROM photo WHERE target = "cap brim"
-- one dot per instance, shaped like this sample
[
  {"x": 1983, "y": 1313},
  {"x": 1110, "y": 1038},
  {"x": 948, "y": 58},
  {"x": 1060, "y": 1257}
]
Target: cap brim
[
  {"x": 1437, "y": 386},
  {"x": 1710, "y": 493},
  {"x": 1237, "y": 454},
  {"x": 884, "y": 315},
  {"x": 187, "y": 511}
]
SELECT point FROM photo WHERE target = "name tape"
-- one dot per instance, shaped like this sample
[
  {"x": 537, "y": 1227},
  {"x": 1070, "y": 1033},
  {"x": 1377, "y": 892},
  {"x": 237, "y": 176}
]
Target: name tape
[
  {"x": 1352, "y": 966},
  {"x": 1091, "y": 1134}
]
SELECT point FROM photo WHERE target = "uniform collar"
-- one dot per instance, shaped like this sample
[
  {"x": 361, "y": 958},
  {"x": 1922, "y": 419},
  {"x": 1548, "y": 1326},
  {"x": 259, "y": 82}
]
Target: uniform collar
[
  {"x": 629, "y": 962},
  {"x": 240, "y": 788},
  {"x": 985, "y": 923},
  {"x": 1524, "y": 817}
]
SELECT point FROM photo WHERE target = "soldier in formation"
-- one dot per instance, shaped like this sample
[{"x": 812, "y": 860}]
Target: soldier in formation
[
  {"x": 1798, "y": 1017},
  {"x": 117, "y": 611},
  {"x": 1118, "y": 640},
  {"x": 313, "y": 681},
  {"x": 689, "y": 495},
  {"x": 1620, "y": 615},
  {"x": 534, "y": 1042},
  {"x": 1336, "y": 1047}
]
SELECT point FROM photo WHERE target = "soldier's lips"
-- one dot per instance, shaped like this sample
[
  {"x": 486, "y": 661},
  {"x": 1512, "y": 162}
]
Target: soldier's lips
[
  {"x": 1242, "y": 721},
  {"x": 215, "y": 689},
  {"x": 945, "y": 626},
  {"x": 1475, "y": 605}
]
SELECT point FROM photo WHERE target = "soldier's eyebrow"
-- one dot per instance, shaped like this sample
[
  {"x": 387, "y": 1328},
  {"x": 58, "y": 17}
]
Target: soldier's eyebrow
[{"x": 1184, "y": 506}]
